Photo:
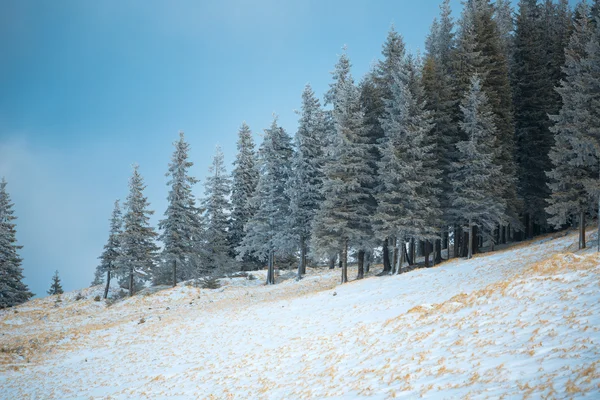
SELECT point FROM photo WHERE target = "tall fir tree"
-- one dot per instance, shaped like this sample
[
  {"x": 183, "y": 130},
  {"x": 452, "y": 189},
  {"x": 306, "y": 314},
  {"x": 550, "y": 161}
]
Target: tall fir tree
[
  {"x": 181, "y": 226},
  {"x": 109, "y": 258},
  {"x": 244, "y": 182},
  {"x": 343, "y": 220},
  {"x": 217, "y": 208},
  {"x": 476, "y": 172},
  {"x": 408, "y": 205},
  {"x": 375, "y": 89},
  {"x": 533, "y": 136},
  {"x": 55, "y": 286},
  {"x": 266, "y": 231},
  {"x": 569, "y": 198},
  {"x": 12, "y": 289},
  {"x": 482, "y": 40},
  {"x": 137, "y": 262},
  {"x": 439, "y": 94},
  {"x": 306, "y": 179}
]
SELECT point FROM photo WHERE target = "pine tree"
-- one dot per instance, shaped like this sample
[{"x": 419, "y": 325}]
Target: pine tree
[
  {"x": 138, "y": 249},
  {"x": 375, "y": 89},
  {"x": 506, "y": 25},
  {"x": 245, "y": 180},
  {"x": 481, "y": 38},
  {"x": 55, "y": 287},
  {"x": 439, "y": 94},
  {"x": 112, "y": 249},
  {"x": 217, "y": 208},
  {"x": 533, "y": 137},
  {"x": 477, "y": 170},
  {"x": 306, "y": 180},
  {"x": 181, "y": 226},
  {"x": 408, "y": 205},
  {"x": 12, "y": 289},
  {"x": 343, "y": 220},
  {"x": 266, "y": 231},
  {"x": 576, "y": 153}
]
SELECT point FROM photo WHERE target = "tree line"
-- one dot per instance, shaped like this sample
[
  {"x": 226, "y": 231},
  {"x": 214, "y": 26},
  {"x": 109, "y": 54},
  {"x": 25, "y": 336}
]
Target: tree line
[{"x": 492, "y": 135}]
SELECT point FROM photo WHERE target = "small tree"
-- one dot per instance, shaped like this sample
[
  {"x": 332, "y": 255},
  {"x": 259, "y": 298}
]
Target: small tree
[
  {"x": 12, "y": 289},
  {"x": 55, "y": 287},
  {"x": 112, "y": 249}
]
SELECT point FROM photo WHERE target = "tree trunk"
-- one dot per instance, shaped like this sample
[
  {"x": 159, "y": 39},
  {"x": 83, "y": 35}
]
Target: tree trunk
[
  {"x": 361, "y": 264},
  {"x": 492, "y": 241},
  {"x": 582, "y": 230},
  {"x": 598, "y": 223},
  {"x": 302, "y": 262},
  {"x": 107, "y": 282},
  {"x": 174, "y": 272},
  {"x": 340, "y": 262},
  {"x": 386, "y": 257},
  {"x": 368, "y": 256},
  {"x": 413, "y": 255},
  {"x": 344, "y": 260},
  {"x": 271, "y": 270},
  {"x": 395, "y": 256},
  {"x": 426, "y": 249},
  {"x": 457, "y": 236},
  {"x": 131, "y": 282},
  {"x": 475, "y": 240},
  {"x": 437, "y": 251},
  {"x": 445, "y": 242},
  {"x": 470, "y": 241},
  {"x": 332, "y": 262},
  {"x": 407, "y": 255},
  {"x": 401, "y": 250},
  {"x": 530, "y": 227}
]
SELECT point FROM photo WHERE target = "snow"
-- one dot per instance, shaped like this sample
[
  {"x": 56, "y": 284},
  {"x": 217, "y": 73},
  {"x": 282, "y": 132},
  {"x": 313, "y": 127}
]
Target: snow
[{"x": 518, "y": 322}]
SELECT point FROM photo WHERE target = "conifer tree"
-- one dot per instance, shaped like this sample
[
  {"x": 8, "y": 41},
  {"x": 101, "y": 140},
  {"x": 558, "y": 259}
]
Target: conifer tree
[
  {"x": 181, "y": 226},
  {"x": 375, "y": 88},
  {"x": 439, "y": 94},
  {"x": 533, "y": 137},
  {"x": 244, "y": 182},
  {"x": 217, "y": 209},
  {"x": 12, "y": 289},
  {"x": 266, "y": 230},
  {"x": 408, "y": 205},
  {"x": 575, "y": 154},
  {"x": 476, "y": 172},
  {"x": 343, "y": 220},
  {"x": 306, "y": 180},
  {"x": 482, "y": 40},
  {"x": 55, "y": 287},
  {"x": 138, "y": 249},
  {"x": 109, "y": 258}
]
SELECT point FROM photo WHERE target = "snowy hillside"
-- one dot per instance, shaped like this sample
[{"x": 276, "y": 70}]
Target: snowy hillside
[{"x": 524, "y": 321}]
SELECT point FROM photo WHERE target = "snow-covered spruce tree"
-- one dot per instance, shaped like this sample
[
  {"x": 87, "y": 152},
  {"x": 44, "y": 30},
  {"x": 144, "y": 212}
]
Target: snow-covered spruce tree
[
  {"x": 476, "y": 172},
  {"x": 373, "y": 97},
  {"x": 266, "y": 231},
  {"x": 344, "y": 220},
  {"x": 109, "y": 258},
  {"x": 492, "y": 66},
  {"x": 12, "y": 289},
  {"x": 506, "y": 25},
  {"x": 181, "y": 225},
  {"x": 575, "y": 163},
  {"x": 408, "y": 204},
  {"x": 440, "y": 100},
  {"x": 533, "y": 137},
  {"x": 138, "y": 249},
  {"x": 55, "y": 286},
  {"x": 245, "y": 180},
  {"x": 306, "y": 179},
  {"x": 217, "y": 190}
]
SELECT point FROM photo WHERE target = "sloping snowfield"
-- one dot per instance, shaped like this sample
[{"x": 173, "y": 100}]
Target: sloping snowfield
[{"x": 518, "y": 323}]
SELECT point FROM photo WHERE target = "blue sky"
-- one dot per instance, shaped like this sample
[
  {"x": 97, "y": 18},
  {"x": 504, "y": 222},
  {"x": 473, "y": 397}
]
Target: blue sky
[{"x": 89, "y": 87}]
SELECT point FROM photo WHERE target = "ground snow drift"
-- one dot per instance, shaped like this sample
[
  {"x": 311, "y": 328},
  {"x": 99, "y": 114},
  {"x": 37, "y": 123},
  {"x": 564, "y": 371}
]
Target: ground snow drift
[{"x": 524, "y": 322}]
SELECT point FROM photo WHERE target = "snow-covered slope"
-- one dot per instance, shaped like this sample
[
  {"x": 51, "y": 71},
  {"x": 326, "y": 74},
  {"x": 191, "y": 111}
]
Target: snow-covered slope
[{"x": 524, "y": 321}]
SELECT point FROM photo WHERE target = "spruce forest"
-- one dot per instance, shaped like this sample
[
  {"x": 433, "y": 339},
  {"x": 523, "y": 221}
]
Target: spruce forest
[{"x": 490, "y": 136}]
